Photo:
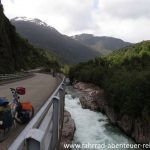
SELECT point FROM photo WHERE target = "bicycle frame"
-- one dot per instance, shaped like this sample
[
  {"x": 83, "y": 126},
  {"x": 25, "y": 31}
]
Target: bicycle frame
[
  {"x": 15, "y": 102},
  {"x": 19, "y": 112}
]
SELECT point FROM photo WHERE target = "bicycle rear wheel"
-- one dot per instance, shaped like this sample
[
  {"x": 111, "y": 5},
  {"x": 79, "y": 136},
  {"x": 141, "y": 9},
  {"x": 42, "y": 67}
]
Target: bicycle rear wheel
[{"x": 24, "y": 116}]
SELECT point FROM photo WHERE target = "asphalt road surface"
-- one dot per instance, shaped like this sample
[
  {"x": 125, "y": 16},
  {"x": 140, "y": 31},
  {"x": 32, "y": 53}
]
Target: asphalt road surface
[{"x": 38, "y": 90}]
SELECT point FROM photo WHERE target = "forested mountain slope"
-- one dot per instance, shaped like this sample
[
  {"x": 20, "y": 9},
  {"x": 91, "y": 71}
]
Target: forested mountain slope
[
  {"x": 125, "y": 77},
  {"x": 102, "y": 44}
]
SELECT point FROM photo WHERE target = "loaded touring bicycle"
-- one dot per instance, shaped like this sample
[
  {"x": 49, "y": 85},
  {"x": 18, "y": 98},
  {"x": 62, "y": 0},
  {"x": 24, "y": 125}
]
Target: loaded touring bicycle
[{"x": 14, "y": 111}]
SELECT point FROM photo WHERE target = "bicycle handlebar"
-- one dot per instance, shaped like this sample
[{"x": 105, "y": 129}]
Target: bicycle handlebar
[
  {"x": 12, "y": 89},
  {"x": 15, "y": 94}
]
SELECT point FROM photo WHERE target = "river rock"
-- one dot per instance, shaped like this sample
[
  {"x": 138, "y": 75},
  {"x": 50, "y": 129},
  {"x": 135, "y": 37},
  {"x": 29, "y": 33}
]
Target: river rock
[
  {"x": 126, "y": 124},
  {"x": 84, "y": 86},
  {"x": 91, "y": 93},
  {"x": 141, "y": 131},
  {"x": 111, "y": 114},
  {"x": 67, "y": 130},
  {"x": 88, "y": 102}
]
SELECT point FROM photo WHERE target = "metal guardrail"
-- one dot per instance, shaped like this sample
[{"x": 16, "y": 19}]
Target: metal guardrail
[
  {"x": 4, "y": 77},
  {"x": 43, "y": 131}
]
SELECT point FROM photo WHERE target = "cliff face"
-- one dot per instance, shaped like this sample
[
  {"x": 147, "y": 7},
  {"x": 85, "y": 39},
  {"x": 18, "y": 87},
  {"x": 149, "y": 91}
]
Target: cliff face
[
  {"x": 15, "y": 52},
  {"x": 6, "y": 50},
  {"x": 137, "y": 128}
]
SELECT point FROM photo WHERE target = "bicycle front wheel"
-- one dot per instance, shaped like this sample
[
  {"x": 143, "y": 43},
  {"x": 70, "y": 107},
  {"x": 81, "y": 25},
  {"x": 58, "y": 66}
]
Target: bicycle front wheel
[{"x": 4, "y": 133}]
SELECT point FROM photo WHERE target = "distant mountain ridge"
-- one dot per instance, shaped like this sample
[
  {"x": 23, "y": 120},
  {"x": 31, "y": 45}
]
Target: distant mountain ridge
[
  {"x": 35, "y": 20},
  {"x": 103, "y": 44},
  {"x": 44, "y": 36}
]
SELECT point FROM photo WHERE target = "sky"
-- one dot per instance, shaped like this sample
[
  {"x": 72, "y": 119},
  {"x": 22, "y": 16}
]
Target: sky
[{"x": 125, "y": 19}]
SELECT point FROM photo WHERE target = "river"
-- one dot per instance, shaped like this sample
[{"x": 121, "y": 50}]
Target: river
[{"x": 93, "y": 129}]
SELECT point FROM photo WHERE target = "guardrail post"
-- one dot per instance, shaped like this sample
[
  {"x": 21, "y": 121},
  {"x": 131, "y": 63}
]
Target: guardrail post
[
  {"x": 62, "y": 97},
  {"x": 55, "y": 132},
  {"x": 61, "y": 110},
  {"x": 33, "y": 144},
  {"x": 34, "y": 140}
]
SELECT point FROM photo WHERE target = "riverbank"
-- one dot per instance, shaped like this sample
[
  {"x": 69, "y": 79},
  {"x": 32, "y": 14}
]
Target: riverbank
[
  {"x": 94, "y": 98},
  {"x": 68, "y": 130}
]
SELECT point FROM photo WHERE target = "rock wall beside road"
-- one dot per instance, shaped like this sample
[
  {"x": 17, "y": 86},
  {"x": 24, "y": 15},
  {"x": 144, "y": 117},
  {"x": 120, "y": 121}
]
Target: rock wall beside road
[{"x": 94, "y": 99}]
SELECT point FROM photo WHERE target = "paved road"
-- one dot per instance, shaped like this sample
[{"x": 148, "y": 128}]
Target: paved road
[{"x": 38, "y": 89}]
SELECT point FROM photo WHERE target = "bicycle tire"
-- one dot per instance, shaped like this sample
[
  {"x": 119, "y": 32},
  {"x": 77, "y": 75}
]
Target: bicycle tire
[{"x": 5, "y": 135}]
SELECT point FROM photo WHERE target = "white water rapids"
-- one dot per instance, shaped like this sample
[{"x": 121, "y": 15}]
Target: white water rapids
[{"x": 92, "y": 127}]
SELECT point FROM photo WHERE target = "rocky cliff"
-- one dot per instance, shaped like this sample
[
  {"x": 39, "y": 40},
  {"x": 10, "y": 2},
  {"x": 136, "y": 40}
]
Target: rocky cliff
[{"x": 94, "y": 98}]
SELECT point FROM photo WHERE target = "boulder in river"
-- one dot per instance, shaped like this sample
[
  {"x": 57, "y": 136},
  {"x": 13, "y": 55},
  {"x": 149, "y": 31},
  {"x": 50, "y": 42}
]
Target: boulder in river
[{"x": 68, "y": 130}]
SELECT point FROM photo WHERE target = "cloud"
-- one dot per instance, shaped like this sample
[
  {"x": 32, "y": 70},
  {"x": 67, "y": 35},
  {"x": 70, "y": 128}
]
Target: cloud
[
  {"x": 75, "y": 14},
  {"x": 12, "y": 1},
  {"x": 127, "y": 8},
  {"x": 125, "y": 19}
]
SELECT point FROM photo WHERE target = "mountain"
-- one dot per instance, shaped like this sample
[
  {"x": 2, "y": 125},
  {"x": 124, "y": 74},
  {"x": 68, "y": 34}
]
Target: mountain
[
  {"x": 15, "y": 52},
  {"x": 44, "y": 36},
  {"x": 102, "y": 44}
]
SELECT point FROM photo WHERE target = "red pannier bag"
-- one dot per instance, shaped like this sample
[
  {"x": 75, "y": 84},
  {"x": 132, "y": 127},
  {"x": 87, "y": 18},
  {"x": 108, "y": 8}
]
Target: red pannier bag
[
  {"x": 26, "y": 106},
  {"x": 21, "y": 90}
]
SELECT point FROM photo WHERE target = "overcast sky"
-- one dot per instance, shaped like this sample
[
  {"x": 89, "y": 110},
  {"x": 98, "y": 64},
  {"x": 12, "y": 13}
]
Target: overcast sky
[{"x": 125, "y": 19}]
